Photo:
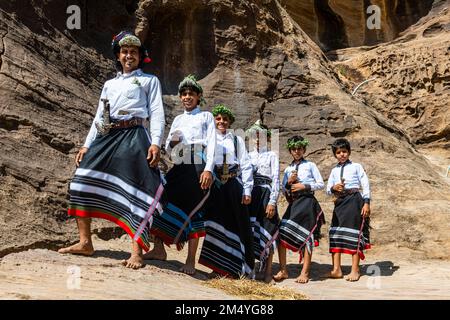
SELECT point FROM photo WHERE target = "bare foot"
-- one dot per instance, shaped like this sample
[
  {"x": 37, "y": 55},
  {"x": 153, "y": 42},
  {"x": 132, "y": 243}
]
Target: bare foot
[
  {"x": 134, "y": 262},
  {"x": 353, "y": 276},
  {"x": 302, "y": 278},
  {"x": 188, "y": 268},
  {"x": 281, "y": 275},
  {"x": 334, "y": 274},
  {"x": 86, "y": 248},
  {"x": 155, "y": 254}
]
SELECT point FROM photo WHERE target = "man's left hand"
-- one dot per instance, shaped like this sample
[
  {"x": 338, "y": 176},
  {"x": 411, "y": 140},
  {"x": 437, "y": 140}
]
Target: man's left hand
[
  {"x": 365, "y": 211},
  {"x": 154, "y": 153}
]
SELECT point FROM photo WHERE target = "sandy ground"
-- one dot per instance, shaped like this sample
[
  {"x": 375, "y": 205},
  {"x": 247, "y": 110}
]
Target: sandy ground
[{"x": 389, "y": 273}]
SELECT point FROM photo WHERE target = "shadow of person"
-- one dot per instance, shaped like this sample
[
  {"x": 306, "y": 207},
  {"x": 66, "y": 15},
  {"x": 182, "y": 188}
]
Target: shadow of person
[
  {"x": 175, "y": 265},
  {"x": 380, "y": 268},
  {"x": 111, "y": 254}
]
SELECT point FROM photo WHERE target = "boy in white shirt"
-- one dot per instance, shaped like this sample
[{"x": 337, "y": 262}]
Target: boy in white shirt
[
  {"x": 349, "y": 231},
  {"x": 301, "y": 223},
  {"x": 228, "y": 245},
  {"x": 263, "y": 208},
  {"x": 191, "y": 143}
]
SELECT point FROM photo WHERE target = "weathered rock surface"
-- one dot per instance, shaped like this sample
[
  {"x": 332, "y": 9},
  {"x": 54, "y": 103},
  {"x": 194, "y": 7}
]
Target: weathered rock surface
[
  {"x": 411, "y": 75},
  {"x": 337, "y": 24},
  {"x": 250, "y": 55}
]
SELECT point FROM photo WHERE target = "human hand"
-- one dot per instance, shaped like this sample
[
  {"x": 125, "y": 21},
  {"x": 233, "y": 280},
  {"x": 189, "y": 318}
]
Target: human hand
[
  {"x": 80, "y": 155},
  {"x": 297, "y": 187},
  {"x": 153, "y": 155},
  {"x": 246, "y": 199},
  {"x": 206, "y": 180},
  {"x": 339, "y": 187},
  {"x": 365, "y": 211},
  {"x": 293, "y": 177},
  {"x": 270, "y": 211},
  {"x": 177, "y": 137}
]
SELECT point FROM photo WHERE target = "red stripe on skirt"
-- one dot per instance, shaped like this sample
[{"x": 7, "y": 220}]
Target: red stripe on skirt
[
  {"x": 168, "y": 240},
  {"x": 102, "y": 215},
  {"x": 352, "y": 252},
  {"x": 295, "y": 249}
]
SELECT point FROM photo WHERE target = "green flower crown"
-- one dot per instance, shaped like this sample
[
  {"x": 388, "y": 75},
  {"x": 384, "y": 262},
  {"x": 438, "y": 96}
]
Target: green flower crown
[
  {"x": 257, "y": 126},
  {"x": 297, "y": 144},
  {"x": 191, "y": 81},
  {"x": 224, "y": 110}
]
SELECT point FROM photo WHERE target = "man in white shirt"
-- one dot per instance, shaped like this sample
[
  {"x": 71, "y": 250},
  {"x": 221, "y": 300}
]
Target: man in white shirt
[
  {"x": 191, "y": 143},
  {"x": 117, "y": 177}
]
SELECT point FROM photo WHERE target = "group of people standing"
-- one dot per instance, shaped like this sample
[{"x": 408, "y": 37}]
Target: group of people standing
[{"x": 216, "y": 189}]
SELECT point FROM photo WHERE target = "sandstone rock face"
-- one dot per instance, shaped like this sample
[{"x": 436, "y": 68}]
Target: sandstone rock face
[
  {"x": 337, "y": 24},
  {"x": 411, "y": 75},
  {"x": 251, "y": 55}
]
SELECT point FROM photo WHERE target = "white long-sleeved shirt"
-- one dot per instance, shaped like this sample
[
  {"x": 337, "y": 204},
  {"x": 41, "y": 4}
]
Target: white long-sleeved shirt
[
  {"x": 225, "y": 145},
  {"x": 135, "y": 94},
  {"x": 195, "y": 127},
  {"x": 267, "y": 163},
  {"x": 307, "y": 174},
  {"x": 354, "y": 178}
]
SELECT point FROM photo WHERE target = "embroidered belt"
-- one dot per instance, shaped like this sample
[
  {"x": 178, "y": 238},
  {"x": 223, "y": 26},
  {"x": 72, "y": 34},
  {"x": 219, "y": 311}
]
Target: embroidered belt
[
  {"x": 261, "y": 180},
  {"x": 133, "y": 122},
  {"x": 224, "y": 173}
]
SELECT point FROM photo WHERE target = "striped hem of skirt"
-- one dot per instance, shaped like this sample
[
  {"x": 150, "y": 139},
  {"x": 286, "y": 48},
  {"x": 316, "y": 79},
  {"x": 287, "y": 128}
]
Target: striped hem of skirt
[{"x": 82, "y": 213}]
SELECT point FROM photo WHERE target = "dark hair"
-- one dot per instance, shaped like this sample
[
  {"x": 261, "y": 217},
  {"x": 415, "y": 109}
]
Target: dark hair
[
  {"x": 188, "y": 87},
  {"x": 340, "y": 143},
  {"x": 141, "y": 58}
]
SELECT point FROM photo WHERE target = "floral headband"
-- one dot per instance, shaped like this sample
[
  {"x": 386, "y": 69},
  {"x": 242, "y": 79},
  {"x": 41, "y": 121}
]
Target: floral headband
[
  {"x": 297, "y": 144},
  {"x": 126, "y": 38},
  {"x": 191, "y": 81},
  {"x": 224, "y": 110},
  {"x": 258, "y": 126}
]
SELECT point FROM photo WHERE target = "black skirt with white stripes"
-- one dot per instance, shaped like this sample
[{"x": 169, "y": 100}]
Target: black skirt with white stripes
[
  {"x": 301, "y": 223},
  {"x": 183, "y": 194},
  {"x": 264, "y": 229},
  {"x": 115, "y": 182},
  {"x": 228, "y": 245},
  {"x": 348, "y": 227}
]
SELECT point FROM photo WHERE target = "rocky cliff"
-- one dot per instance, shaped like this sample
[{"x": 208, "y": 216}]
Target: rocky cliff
[
  {"x": 251, "y": 55},
  {"x": 411, "y": 78},
  {"x": 339, "y": 24}
]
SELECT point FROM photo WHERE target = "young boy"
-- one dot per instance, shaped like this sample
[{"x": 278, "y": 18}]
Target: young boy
[
  {"x": 228, "y": 245},
  {"x": 191, "y": 143},
  {"x": 349, "y": 231},
  {"x": 117, "y": 177},
  {"x": 300, "y": 226},
  {"x": 263, "y": 208}
]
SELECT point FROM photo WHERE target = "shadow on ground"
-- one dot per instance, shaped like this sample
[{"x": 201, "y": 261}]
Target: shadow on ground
[{"x": 320, "y": 270}]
